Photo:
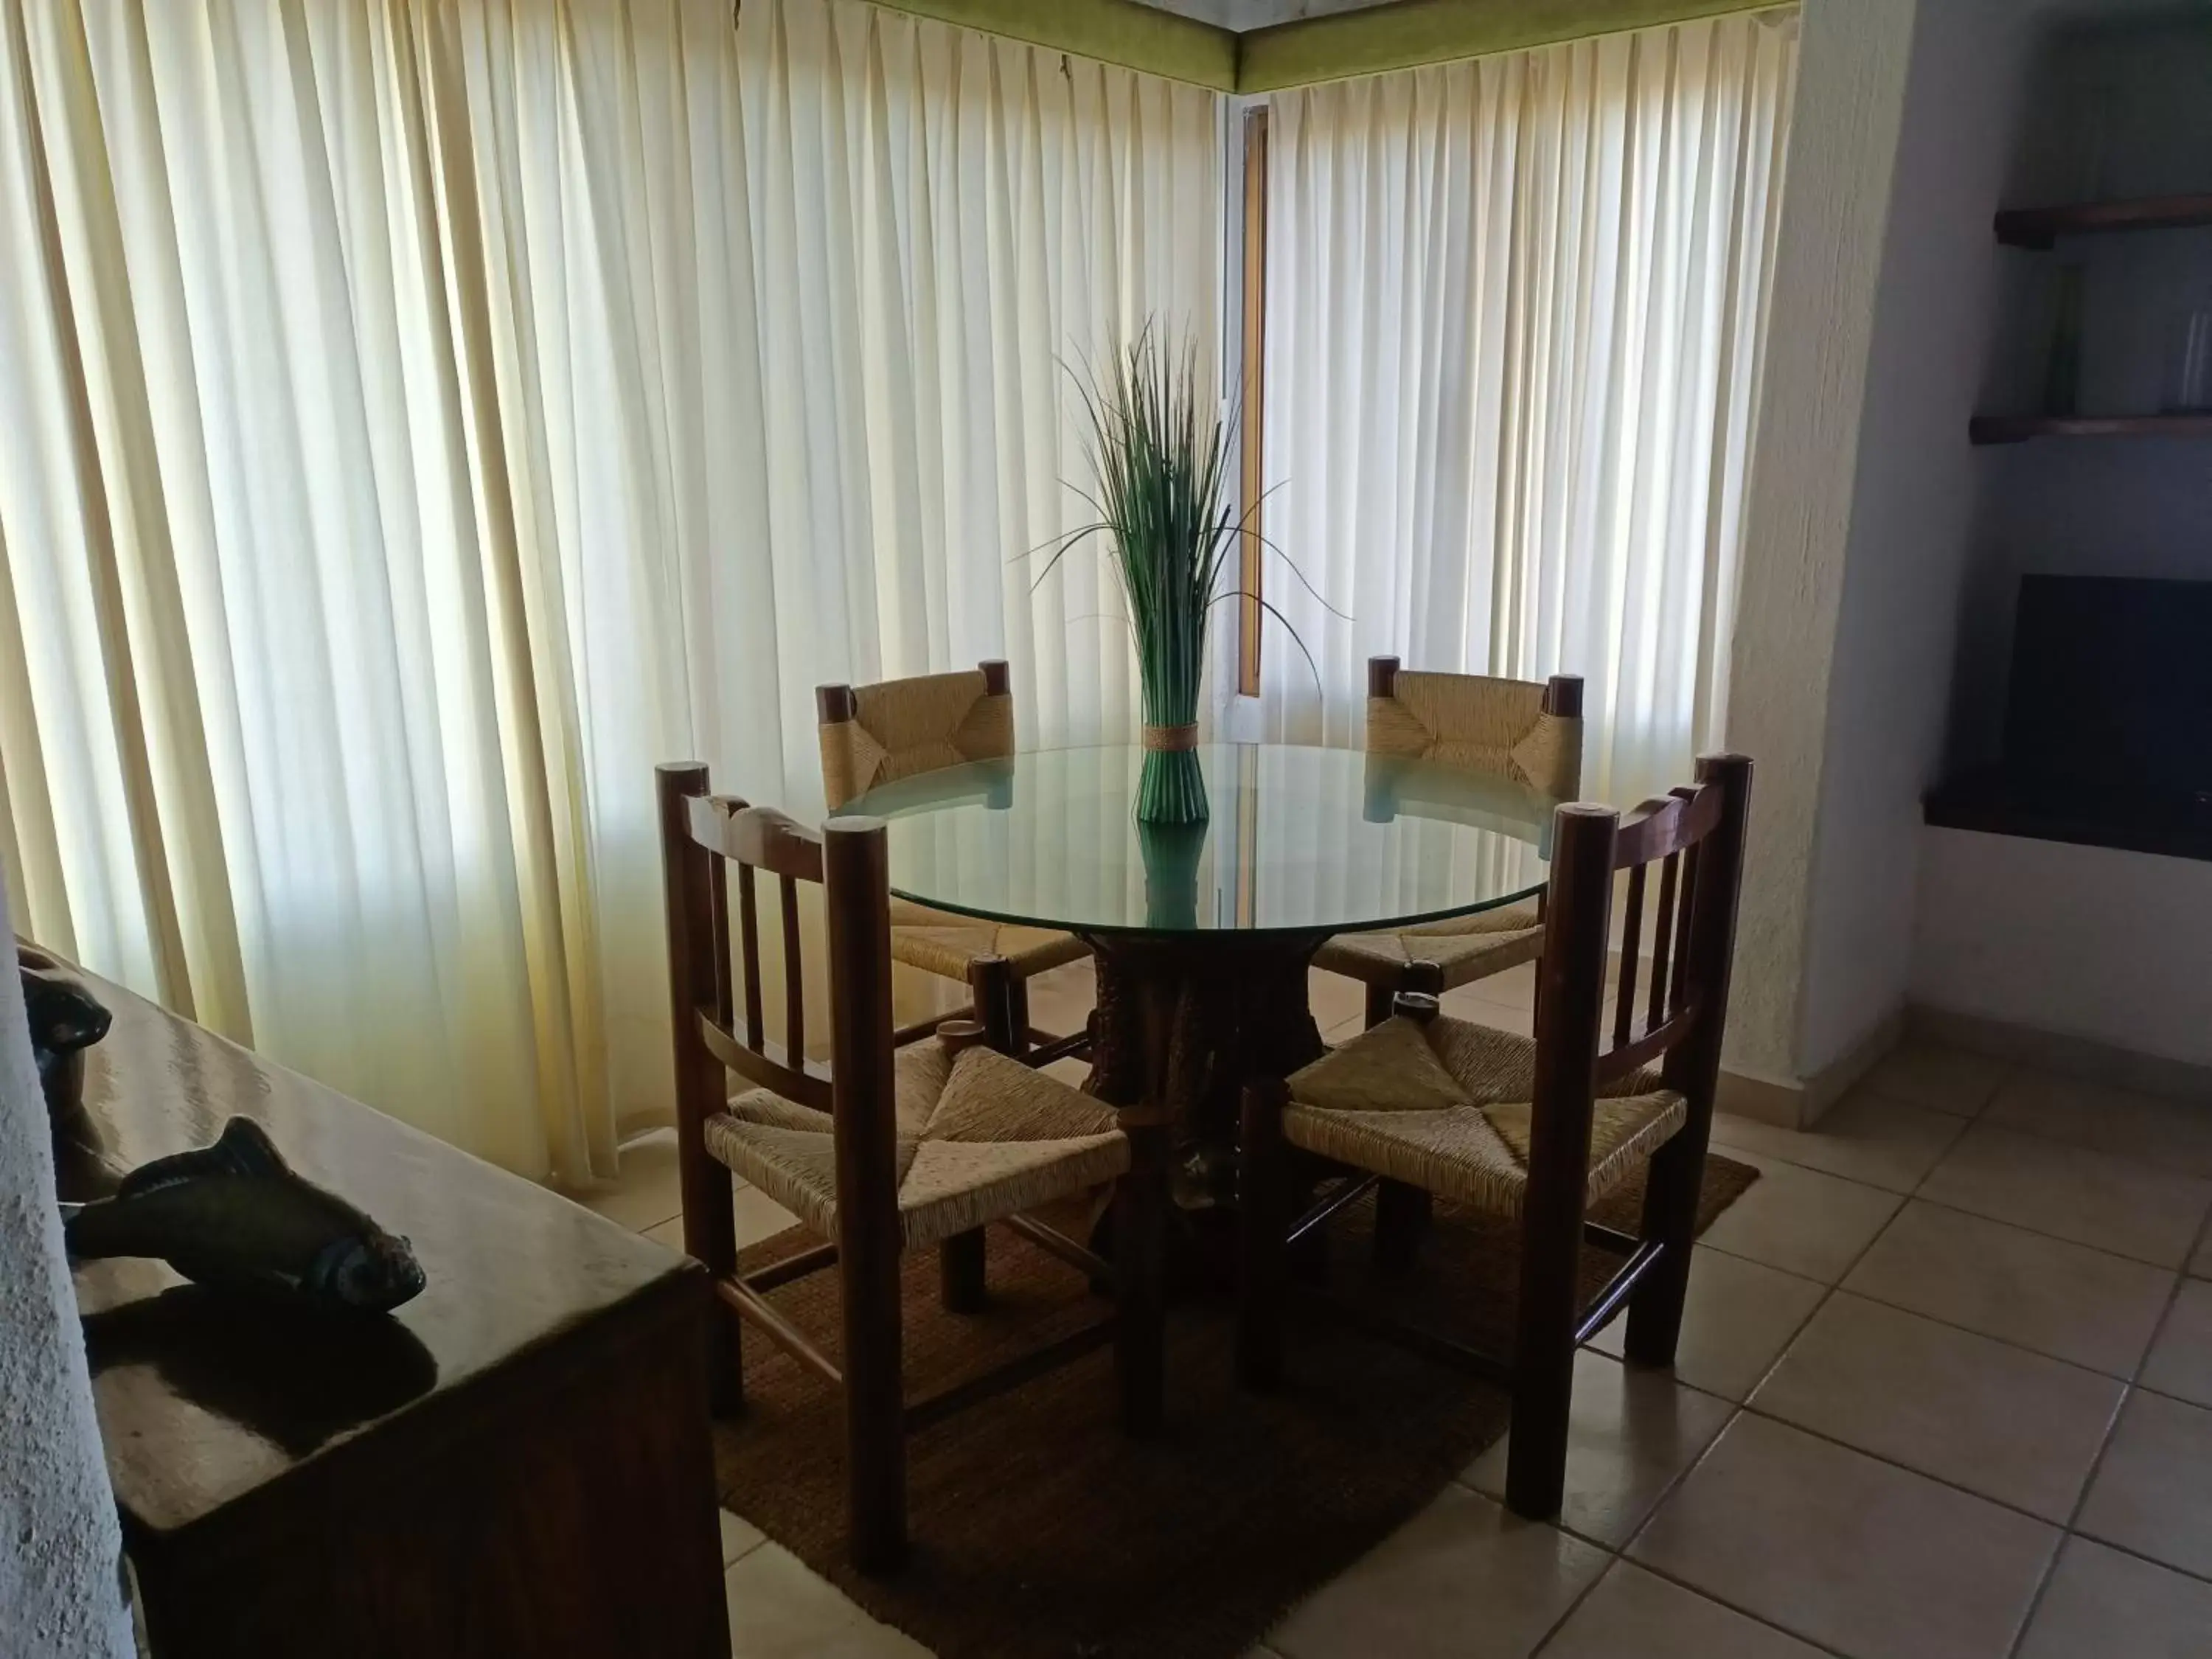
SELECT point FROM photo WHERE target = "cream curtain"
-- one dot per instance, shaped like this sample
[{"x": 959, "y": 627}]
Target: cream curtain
[
  {"x": 950, "y": 226},
  {"x": 1515, "y": 314},
  {"x": 425, "y": 415}
]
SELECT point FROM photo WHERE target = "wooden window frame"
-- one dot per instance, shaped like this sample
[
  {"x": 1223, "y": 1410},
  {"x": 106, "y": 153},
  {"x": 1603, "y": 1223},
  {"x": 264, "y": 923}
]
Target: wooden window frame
[{"x": 1252, "y": 430}]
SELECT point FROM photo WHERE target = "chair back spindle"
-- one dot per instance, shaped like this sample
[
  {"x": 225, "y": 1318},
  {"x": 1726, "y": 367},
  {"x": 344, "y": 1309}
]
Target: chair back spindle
[
  {"x": 1623, "y": 1011},
  {"x": 1693, "y": 832},
  {"x": 794, "y": 976},
  {"x": 749, "y": 932},
  {"x": 707, "y": 839}
]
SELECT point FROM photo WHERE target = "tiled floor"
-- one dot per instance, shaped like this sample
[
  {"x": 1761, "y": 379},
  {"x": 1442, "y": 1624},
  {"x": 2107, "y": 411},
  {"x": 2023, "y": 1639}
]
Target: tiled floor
[{"x": 1944, "y": 1392}]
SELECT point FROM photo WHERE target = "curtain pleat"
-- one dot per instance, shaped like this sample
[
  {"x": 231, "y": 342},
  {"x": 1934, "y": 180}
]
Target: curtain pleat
[
  {"x": 426, "y": 415},
  {"x": 952, "y": 229},
  {"x": 1515, "y": 311}
]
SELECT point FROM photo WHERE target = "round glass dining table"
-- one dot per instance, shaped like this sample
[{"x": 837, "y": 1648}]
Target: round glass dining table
[{"x": 1202, "y": 933}]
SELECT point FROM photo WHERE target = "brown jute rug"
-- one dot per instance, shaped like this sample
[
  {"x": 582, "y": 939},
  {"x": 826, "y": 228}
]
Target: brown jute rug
[{"x": 1041, "y": 1530}]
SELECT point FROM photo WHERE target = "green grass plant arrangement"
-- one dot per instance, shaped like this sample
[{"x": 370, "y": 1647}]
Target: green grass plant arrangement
[{"x": 1162, "y": 455}]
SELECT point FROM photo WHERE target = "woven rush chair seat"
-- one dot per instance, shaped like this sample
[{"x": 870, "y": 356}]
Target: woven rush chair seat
[
  {"x": 896, "y": 1146},
  {"x": 1445, "y": 1107},
  {"x": 1466, "y": 948},
  {"x": 980, "y": 1137},
  {"x": 1534, "y": 1130},
  {"x": 1523, "y": 732},
  {"x": 873, "y": 735},
  {"x": 877, "y": 734},
  {"x": 941, "y": 942},
  {"x": 1514, "y": 729}
]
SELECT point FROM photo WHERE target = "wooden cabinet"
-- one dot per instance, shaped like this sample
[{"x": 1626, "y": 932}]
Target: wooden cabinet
[{"x": 515, "y": 1462}]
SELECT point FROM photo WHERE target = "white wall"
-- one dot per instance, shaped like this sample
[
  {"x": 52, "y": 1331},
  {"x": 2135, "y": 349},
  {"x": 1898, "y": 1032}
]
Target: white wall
[
  {"x": 2081, "y": 940},
  {"x": 1912, "y": 514},
  {"x": 59, "y": 1544},
  {"x": 1853, "y": 59}
]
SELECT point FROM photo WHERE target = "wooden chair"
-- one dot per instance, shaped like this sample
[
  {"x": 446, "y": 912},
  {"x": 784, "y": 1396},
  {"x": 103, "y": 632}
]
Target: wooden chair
[
  {"x": 1524, "y": 732},
  {"x": 877, "y": 734},
  {"x": 892, "y": 1149},
  {"x": 1536, "y": 1129}
]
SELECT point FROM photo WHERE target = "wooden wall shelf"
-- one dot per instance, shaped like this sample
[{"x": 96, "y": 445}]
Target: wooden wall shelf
[
  {"x": 2019, "y": 428},
  {"x": 2039, "y": 228}
]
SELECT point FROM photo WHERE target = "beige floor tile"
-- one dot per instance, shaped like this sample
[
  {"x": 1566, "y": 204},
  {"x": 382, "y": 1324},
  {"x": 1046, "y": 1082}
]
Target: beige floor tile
[
  {"x": 1464, "y": 1579},
  {"x": 1737, "y": 1320},
  {"x": 2153, "y": 1493},
  {"x": 1928, "y": 1074},
  {"x": 1631, "y": 1433},
  {"x": 1635, "y": 1614},
  {"x": 2060, "y": 1299},
  {"x": 2115, "y": 1204},
  {"x": 759, "y": 1217},
  {"x": 1344, "y": 1031},
  {"x": 1062, "y": 1001},
  {"x": 647, "y": 1191},
  {"x": 1868, "y": 1558},
  {"x": 739, "y": 1536},
  {"x": 1514, "y": 989},
  {"x": 2181, "y": 1362},
  {"x": 1332, "y": 999},
  {"x": 1979, "y": 1414},
  {"x": 780, "y": 1608},
  {"x": 1864, "y": 1137},
  {"x": 1800, "y": 1220},
  {"x": 1469, "y": 1003},
  {"x": 2101, "y": 1603},
  {"x": 2170, "y": 1133}
]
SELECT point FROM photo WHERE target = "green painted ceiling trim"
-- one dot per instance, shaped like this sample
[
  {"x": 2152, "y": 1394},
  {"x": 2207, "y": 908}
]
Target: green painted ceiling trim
[
  {"x": 1113, "y": 30},
  {"x": 1412, "y": 33}
]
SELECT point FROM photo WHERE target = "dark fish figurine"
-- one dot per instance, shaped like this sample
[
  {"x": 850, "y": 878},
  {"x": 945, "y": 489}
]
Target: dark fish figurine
[
  {"x": 233, "y": 1216},
  {"x": 64, "y": 1021}
]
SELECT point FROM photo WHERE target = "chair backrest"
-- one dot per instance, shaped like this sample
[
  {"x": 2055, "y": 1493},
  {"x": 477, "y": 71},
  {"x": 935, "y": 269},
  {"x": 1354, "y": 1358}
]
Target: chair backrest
[
  {"x": 1527, "y": 732},
  {"x": 1695, "y": 836},
  {"x": 873, "y": 734},
  {"x": 706, "y": 841}
]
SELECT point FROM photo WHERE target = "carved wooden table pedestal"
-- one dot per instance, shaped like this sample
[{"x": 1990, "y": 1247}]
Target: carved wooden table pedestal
[{"x": 1183, "y": 1021}]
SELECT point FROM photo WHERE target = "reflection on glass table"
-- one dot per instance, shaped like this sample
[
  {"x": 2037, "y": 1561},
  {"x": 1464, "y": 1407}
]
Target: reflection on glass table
[{"x": 1302, "y": 841}]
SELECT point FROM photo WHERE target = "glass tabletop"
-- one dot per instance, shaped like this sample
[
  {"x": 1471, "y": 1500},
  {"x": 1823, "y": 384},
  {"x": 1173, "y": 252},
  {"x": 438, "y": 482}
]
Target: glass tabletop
[{"x": 1299, "y": 840}]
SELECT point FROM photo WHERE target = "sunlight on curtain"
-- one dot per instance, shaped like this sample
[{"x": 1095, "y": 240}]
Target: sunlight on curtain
[
  {"x": 263, "y": 758},
  {"x": 947, "y": 225},
  {"x": 426, "y": 415},
  {"x": 1514, "y": 310}
]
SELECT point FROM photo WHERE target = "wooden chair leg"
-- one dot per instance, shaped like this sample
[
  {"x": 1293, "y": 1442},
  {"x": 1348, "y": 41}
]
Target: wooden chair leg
[
  {"x": 1670, "y": 1218},
  {"x": 1017, "y": 1015},
  {"x": 710, "y": 1239},
  {"x": 1543, "y": 1371},
  {"x": 875, "y": 1395},
  {"x": 991, "y": 981},
  {"x": 1263, "y": 1218},
  {"x": 1140, "y": 1218},
  {"x": 1402, "y": 1221},
  {"x": 961, "y": 1261}
]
